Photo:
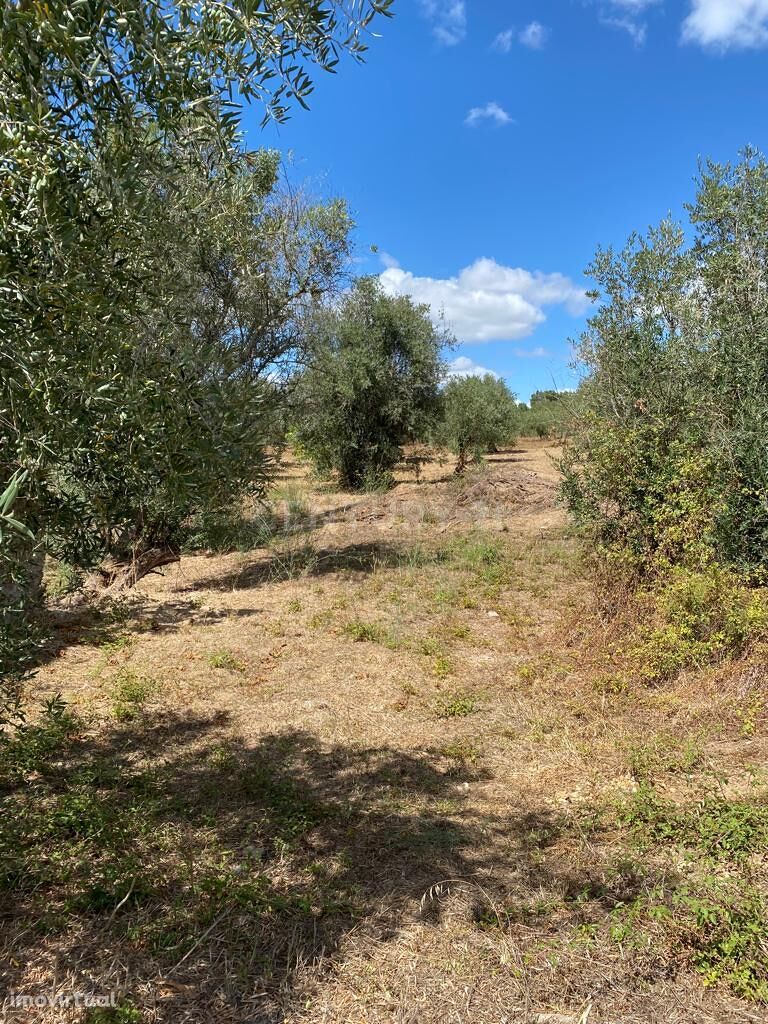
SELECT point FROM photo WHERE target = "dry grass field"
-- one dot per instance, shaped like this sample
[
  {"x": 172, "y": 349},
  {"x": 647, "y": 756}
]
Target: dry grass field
[{"x": 391, "y": 766}]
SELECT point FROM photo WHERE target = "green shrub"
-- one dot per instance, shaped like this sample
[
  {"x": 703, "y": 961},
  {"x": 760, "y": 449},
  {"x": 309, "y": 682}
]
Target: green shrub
[
  {"x": 548, "y": 414},
  {"x": 702, "y": 616}
]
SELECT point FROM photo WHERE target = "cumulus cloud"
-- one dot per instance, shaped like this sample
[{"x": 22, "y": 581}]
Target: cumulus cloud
[
  {"x": 488, "y": 301},
  {"x": 727, "y": 24},
  {"x": 534, "y": 36},
  {"x": 490, "y": 112},
  {"x": 463, "y": 366},
  {"x": 448, "y": 18}
]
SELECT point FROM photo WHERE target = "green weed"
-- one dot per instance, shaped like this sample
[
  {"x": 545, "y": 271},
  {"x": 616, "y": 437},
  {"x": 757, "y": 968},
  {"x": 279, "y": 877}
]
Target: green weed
[
  {"x": 430, "y": 646},
  {"x": 664, "y": 753},
  {"x": 131, "y": 692},
  {"x": 716, "y": 828},
  {"x": 62, "y": 579},
  {"x": 291, "y": 561},
  {"x": 369, "y": 632},
  {"x": 125, "y": 1013},
  {"x": 226, "y": 659},
  {"x": 120, "y": 645},
  {"x": 456, "y": 706},
  {"x": 442, "y": 666}
]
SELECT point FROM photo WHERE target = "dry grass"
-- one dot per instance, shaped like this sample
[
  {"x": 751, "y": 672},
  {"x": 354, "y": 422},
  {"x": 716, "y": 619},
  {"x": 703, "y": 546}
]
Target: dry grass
[{"x": 378, "y": 770}]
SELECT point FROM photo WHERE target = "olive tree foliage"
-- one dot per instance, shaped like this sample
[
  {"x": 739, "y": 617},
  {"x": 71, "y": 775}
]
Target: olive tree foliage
[
  {"x": 371, "y": 383},
  {"x": 479, "y": 415},
  {"x": 669, "y": 465},
  {"x": 547, "y": 414},
  {"x": 205, "y": 357},
  {"x": 17, "y": 634},
  {"x": 123, "y": 181}
]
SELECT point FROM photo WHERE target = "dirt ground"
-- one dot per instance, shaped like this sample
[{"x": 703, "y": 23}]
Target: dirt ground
[{"x": 368, "y": 772}]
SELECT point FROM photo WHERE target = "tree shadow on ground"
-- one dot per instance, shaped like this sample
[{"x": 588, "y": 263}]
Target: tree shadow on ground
[
  {"x": 200, "y": 875},
  {"x": 299, "y": 561},
  {"x": 100, "y": 626}
]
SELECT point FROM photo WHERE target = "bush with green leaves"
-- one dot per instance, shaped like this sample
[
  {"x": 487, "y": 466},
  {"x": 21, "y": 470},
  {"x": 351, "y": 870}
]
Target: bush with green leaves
[
  {"x": 693, "y": 618},
  {"x": 480, "y": 415},
  {"x": 668, "y": 465},
  {"x": 371, "y": 383}
]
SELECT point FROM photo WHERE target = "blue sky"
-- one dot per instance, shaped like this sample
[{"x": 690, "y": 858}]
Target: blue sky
[{"x": 487, "y": 148}]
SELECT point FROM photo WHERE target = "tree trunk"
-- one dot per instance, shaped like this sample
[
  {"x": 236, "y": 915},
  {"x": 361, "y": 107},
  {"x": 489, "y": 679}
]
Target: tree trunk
[{"x": 118, "y": 578}]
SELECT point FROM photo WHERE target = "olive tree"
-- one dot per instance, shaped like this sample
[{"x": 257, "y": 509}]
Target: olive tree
[
  {"x": 479, "y": 415},
  {"x": 371, "y": 383},
  {"x": 668, "y": 464},
  {"x": 230, "y": 328}
]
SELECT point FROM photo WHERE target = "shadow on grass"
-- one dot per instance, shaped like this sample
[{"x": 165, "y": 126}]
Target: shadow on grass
[
  {"x": 95, "y": 626},
  {"x": 201, "y": 875},
  {"x": 299, "y": 561}
]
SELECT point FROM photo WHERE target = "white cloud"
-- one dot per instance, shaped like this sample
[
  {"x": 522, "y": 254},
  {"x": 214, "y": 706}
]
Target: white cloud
[
  {"x": 487, "y": 301},
  {"x": 388, "y": 261},
  {"x": 449, "y": 20},
  {"x": 504, "y": 40},
  {"x": 727, "y": 24},
  {"x": 637, "y": 30},
  {"x": 534, "y": 36},
  {"x": 490, "y": 112},
  {"x": 626, "y": 15},
  {"x": 463, "y": 366}
]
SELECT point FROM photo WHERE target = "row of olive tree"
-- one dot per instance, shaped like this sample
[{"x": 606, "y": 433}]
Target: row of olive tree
[
  {"x": 375, "y": 379},
  {"x": 152, "y": 274}
]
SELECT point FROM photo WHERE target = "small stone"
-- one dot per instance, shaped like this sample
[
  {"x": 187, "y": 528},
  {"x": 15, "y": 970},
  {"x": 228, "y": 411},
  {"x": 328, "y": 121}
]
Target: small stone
[{"x": 493, "y": 615}]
